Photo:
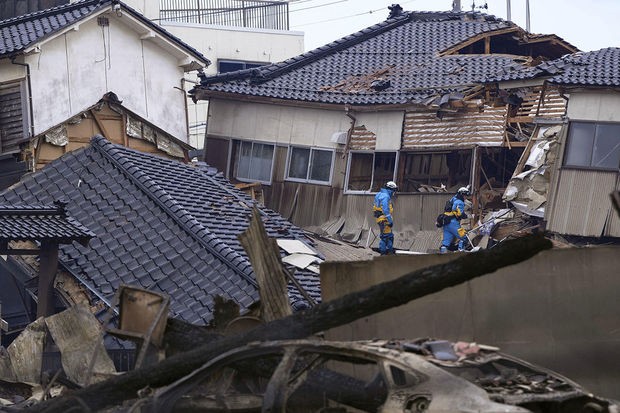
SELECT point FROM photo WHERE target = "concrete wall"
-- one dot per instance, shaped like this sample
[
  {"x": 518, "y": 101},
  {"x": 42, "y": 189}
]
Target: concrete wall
[
  {"x": 559, "y": 309},
  {"x": 73, "y": 70}
]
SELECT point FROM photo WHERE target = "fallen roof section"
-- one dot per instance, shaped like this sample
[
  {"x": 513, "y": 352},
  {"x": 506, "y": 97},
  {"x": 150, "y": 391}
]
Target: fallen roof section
[{"x": 160, "y": 225}]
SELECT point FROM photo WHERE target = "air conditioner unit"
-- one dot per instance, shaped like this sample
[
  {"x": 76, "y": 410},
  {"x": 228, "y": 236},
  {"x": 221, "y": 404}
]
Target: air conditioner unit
[{"x": 339, "y": 138}]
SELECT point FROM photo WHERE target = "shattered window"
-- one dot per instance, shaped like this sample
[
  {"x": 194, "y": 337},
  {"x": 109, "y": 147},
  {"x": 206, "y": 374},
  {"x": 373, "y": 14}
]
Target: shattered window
[
  {"x": 253, "y": 161},
  {"x": 310, "y": 164},
  {"x": 369, "y": 171},
  {"x": 422, "y": 172},
  {"x": 593, "y": 145}
]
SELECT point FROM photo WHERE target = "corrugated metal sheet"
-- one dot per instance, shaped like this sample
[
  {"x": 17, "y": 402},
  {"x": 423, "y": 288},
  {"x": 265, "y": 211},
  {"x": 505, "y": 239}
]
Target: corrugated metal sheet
[
  {"x": 582, "y": 204},
  {"x": 612, "y": 226},
  {"x": 11, "y": 119},
  {"x": 424, "y": 130},
  {"x": 362, "y": 138},
  {"x": 551, "y": 106}
]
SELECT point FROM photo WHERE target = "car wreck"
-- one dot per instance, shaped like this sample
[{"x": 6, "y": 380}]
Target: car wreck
[{"x": 422, "y": 375}]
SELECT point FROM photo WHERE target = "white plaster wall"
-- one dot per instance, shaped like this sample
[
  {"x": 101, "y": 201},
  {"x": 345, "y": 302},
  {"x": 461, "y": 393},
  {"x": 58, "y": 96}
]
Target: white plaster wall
[
  {"x": 254, "y": 45},
  {"x": 275, "y": 123},
  {"x": 10, "y": 72},
  {"x": 49, "y": 79},
  {"x": 74, "y": 70},
  {"x": 387, "y": 126},
  {"x": 601, "y": 106}
]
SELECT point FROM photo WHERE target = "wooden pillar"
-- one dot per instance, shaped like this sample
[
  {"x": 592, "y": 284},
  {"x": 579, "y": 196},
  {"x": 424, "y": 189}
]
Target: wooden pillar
[{"x": 48, "y": 266}]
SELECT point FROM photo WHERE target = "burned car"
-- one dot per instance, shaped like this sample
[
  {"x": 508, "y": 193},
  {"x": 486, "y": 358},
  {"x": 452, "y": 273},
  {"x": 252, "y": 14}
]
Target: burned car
[{"x": 414, "y": 376}]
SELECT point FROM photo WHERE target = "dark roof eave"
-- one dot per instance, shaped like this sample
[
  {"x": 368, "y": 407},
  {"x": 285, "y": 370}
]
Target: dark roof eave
[{"x": 209, "y": 94}]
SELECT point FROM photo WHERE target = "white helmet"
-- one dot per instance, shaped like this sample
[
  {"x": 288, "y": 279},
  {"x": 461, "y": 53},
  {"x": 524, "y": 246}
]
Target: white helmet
[
  {"x": 463, "y": 190},
  {"x": 391, "y": 185}
]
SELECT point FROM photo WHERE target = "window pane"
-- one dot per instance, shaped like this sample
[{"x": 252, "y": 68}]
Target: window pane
[
  {"x": 360, "y": 172},
  {"x": 606, "y": 152},
  {"x": 580, "y": 143},
  {"x": 243, "y": 162},
  {"x": 321, "y": 165},
  {"x": 262, "y": 157},
  {"x": 383, "y": 169},
  {"x": 298, "y": 164}
]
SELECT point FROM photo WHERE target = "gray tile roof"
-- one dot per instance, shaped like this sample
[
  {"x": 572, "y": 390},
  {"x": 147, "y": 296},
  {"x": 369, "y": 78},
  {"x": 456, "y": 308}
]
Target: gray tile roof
[
  {"x": 595, "y": 68},
  {"x": 17, "y": 33},
  {"x": 403, "y": 49},
  {"x": 159, "y": 224},
  {"x": 41, "y": 223}
]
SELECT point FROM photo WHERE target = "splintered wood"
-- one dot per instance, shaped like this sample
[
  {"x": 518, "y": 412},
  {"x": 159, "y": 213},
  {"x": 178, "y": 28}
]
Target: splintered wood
[{"x": 268, "y": 269}]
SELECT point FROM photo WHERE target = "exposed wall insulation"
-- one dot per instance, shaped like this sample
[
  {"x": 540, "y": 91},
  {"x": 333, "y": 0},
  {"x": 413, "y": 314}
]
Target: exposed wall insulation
[
  {"x": 552, "y": 104},
  {"x": 424, "y": 130},
  {"x": 362, "y": 138}
]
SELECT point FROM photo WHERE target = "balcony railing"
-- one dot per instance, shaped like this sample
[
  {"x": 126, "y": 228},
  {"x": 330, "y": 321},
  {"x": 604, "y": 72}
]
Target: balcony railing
[{"x": 258, "y": 14}]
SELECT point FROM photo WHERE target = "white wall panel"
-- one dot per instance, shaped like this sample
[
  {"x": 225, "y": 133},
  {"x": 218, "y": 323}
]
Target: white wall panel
[
  {"x": 86, "y": 56},
  {"x": 275, "y": 123},
  {"x": 125, "y": 69},
  {"x": 387, "y": 127},
  {"x": 10, "y": 72},
  {"x": 50, "y": 85},
  {"x": 594, "y": 106},
  {"x": 165, "y": 102}
]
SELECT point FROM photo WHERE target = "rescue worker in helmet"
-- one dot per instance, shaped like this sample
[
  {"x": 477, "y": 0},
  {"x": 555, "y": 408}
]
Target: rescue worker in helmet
[
  {"x": 452, "y": 229},
  {"x": 383, "y": 210}
]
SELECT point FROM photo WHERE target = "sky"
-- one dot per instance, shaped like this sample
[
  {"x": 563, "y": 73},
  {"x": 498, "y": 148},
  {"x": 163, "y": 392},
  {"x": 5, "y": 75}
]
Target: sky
[{"x": 586, "y": 24}]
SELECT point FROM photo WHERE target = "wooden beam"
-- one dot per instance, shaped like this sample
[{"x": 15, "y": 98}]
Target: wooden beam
[
  {"x": 104, "y": 132},
  {"x": 47, "y": 273},
  {"x": 8, "y": 251},
  {"x": 487, "y": 45},
  {"x": 474, "y": 39}
]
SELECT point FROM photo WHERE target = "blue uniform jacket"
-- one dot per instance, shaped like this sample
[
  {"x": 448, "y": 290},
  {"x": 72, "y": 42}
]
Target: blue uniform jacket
[{"x": 382, "y": 200}]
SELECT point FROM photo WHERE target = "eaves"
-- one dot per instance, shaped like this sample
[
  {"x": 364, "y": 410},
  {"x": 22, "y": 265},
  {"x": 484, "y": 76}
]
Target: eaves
[{"x": 202, "y": 94}]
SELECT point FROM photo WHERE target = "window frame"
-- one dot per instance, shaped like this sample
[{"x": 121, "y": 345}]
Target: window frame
[
  {"x": 567, "y": 146},
  {"x": 372, "y": 176},
  {"x": 309, "y": 168},
  {"x": 234, "y": 163},
  {"x": 245, "y": 63},
  {"x": 403, "y": 177}
]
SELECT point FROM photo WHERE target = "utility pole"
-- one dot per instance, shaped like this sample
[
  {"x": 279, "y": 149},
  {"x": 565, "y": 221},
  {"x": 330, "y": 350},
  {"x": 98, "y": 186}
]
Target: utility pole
[
  {"x": 508, "y": 17},
  {"x": 527, "y": 15}
]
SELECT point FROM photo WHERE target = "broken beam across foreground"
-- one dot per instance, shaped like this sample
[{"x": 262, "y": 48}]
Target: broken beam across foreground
[{"x": 305, "y": 323}]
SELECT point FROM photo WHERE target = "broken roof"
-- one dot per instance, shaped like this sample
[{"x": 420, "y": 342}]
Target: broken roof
[
  {"x": 595, "y": 68},
  {"x": 19, "y": 33},
  {"x": 408, "y": 59},
  {"x": 159, "y": 224}
]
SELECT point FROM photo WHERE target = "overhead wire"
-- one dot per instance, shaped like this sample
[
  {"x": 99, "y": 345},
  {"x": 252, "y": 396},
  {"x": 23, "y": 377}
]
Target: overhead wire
[{"x": 347, "y": 17}]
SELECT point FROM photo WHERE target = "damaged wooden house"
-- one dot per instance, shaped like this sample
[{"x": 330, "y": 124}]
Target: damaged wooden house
[
  {"x": 402, "y": 100},
  {"x": 156, "y": 224},
  {"x": 571, "y": 164},
  {"x": 85, "y": 68}
]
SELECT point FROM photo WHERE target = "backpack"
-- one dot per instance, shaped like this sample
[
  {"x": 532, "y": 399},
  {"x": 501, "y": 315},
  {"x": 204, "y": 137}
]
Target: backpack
[{"x": 443, "y": 219}]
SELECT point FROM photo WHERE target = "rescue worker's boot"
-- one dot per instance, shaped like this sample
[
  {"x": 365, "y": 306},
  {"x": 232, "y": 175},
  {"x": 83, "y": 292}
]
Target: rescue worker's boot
[{"x": 443, "y": 249}]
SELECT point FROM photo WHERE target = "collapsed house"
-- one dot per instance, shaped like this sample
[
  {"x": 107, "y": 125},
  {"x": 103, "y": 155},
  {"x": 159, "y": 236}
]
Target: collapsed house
[
  {"x": 572, "y": 164},
  {"x": 402, "y": 100},
  {"x": 159, "y": 225},
  {"x": 57, "y": 63}
]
